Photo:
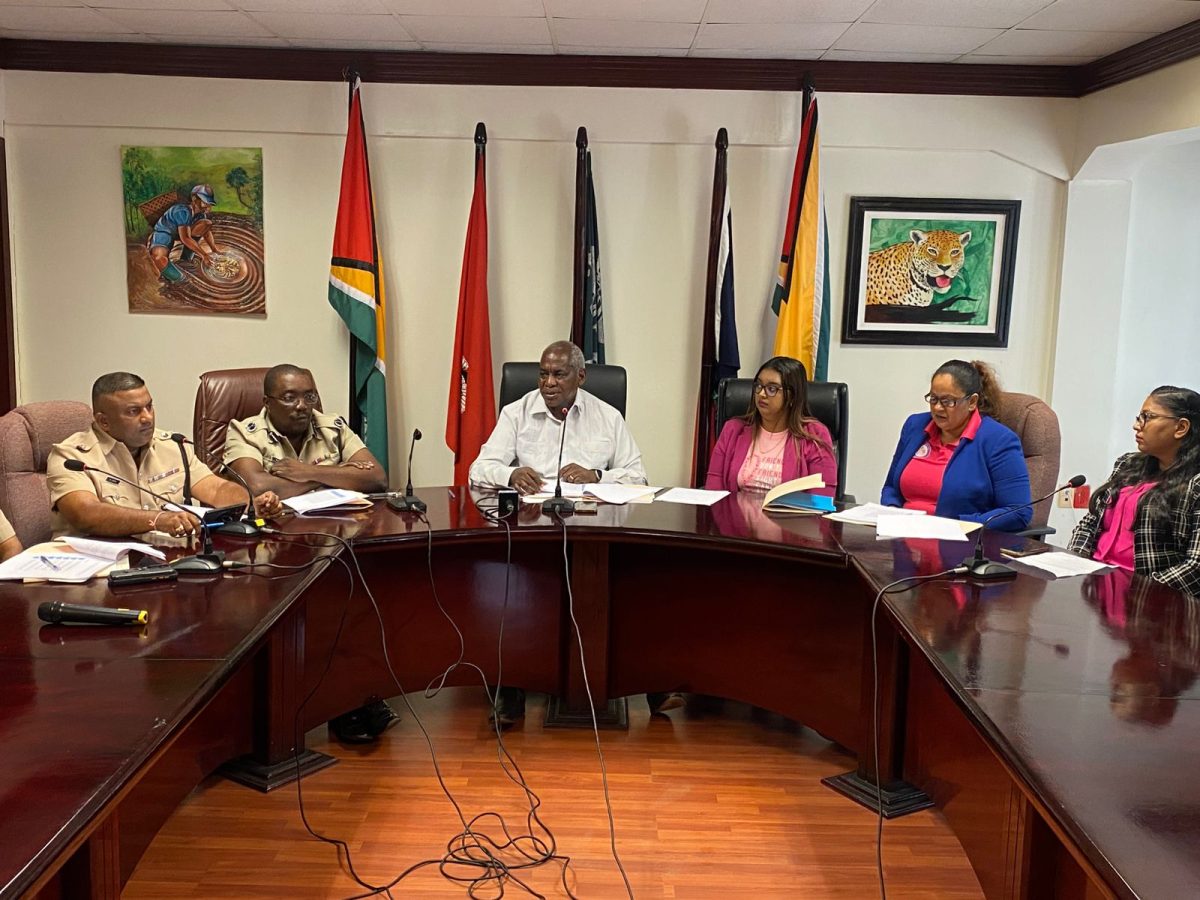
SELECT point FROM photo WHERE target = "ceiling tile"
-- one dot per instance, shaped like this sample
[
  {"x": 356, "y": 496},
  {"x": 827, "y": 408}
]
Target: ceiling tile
[
  {"x": 180, "y": 21},
  {"x": 755, "y": 54},
  {"x": 758, "y": 11},
  {"x": 477, "y": 29},
  {"x": 975, "y": 58},
  {"x": 329, "y": 7},
  {"x": 518, "y": 8},
  {"x": 1027, "y": 42},
  {"x": 334, "y": 28},
  {"x": 603, "y": 33},
  {"x": 76, "y": 36},
  {"x": 623, "y": 51},
  {"x": 1115, "y": 15},
  {"x": 217, "y": 40},
  {"x": 73, "y": 19},
  {"x": 960, "y": 13},
  {"x": 643, "y": 10},
  {"x": 914, "y": 38},
  {"x": 876, "y": 56},
  {"x": 539, "y": 49},
  {"x": 199, "y": 5},
  {"x": 769, "y": 37},
  {"x": 42, "y": 3},
  {"x": 327, "y": 44}
]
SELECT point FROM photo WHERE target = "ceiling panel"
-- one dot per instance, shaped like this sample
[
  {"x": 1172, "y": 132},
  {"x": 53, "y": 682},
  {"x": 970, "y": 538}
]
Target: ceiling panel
[
  {"x": 818, "y": 36},
  {"x": 317, "y": 26},
  {"x": 961, "y": 13},
  {"x": 1115, "y": 15},
  {"x": 876, "y": 56},
  {"x": 477, "y": 29},
  {"x": 794, "y": 11},
  {"x": 758, "y": 54},
  {"x": 539, "y": 49},
  {"x": 486, "y": 8},
  {"x": 977, "y": 58},
  {"x": 159, "y": 4},
  {"x": 51, "y": 19},
  {"x": 208, "y": 40},
  {"x": 915, "y": 38},
  {"x": 1026, "y": 42},
  {"x": 630, "y": 10},
  {"x": 605, "y": 33},
  {"x": 330, "y": 7},
  {"x": 622, "y": 51},
  {"x": 186, "y": 21}
]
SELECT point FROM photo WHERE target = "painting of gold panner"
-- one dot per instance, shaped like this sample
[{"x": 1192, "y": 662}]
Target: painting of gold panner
[{"x": 194, "y": 229}]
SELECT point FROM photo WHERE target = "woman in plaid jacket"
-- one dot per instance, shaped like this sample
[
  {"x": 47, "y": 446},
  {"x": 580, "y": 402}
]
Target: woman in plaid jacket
[{"x": 1146, "y": 517}]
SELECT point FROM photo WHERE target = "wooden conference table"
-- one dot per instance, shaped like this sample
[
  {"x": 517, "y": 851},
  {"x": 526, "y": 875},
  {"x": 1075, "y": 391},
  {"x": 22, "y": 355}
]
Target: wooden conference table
[{"x": 1055, "y": 723}]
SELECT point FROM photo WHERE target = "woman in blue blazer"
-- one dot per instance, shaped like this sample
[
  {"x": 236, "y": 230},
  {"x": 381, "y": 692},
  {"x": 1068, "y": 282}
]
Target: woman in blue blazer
[{"x": 956, "y": 460}]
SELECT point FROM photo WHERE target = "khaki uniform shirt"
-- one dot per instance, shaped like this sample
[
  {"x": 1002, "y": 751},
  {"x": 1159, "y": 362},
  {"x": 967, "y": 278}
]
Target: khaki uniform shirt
[
  {"x": 160, "y": 471},
  {"x": 6, "y": 529},
  {"x": 329, "y": 442}
]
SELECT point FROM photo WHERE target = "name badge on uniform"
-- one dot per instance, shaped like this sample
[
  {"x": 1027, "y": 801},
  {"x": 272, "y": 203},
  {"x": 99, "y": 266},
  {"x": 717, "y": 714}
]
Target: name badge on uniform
[
  {"x": 167, "y": 474},
  {"x": 112, "y": 480}
]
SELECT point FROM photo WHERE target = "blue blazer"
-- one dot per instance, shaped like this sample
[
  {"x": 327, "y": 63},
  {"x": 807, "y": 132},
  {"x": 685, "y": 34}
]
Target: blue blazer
[{"x": 983, "y": 477}]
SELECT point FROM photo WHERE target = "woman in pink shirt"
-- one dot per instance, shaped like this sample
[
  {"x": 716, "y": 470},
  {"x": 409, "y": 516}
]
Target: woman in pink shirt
[
  {"x": 777, "y": 440},
  {"x": 1146, "y": 517}
]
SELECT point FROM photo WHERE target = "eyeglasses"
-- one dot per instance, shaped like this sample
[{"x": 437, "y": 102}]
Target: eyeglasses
[
  {"x": 771, "y": 390},
  {"x": 311, "y": 398},
  {"x": 943, "y": 402},
  {"x": 1143, "y": 417}
]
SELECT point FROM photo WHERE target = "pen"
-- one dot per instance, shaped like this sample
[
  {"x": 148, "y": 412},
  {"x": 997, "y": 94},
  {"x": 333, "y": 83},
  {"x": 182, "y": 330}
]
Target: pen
[
  {"x": 49, "y": 562},
  {"x": 450, "y": 491}
]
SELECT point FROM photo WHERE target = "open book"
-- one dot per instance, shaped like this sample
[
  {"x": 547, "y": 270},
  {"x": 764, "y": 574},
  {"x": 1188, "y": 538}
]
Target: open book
[{"x": 794, "y": 497}]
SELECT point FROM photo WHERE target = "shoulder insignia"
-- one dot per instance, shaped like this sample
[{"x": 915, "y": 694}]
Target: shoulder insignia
[
  {"x": 251, "y": 426},
  {"x": 340, "y": 422}
]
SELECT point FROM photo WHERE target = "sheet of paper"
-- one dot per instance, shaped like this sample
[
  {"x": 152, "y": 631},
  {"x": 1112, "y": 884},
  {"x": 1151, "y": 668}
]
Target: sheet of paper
[
  {"x": 869, "y": 513},
  {"x": 110, "y": 550},
  {"x": 693, "y": 496},
  {"x": 1061, "y": 564},
  {"x": 50, "y": 566},
  {"x": 619, "y": 493},
  {"x": 934, "y": 527},
  {"x": 326, "y": 499}
]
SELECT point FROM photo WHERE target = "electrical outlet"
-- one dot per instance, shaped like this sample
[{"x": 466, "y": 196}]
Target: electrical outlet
[{"x": 1064, "y": 498}]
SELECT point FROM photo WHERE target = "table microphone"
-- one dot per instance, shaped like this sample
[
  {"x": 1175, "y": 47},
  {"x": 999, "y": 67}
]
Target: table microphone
[
  {"x": 245, "y": 526},
  {"x": 979, "y": 566},
  {"x": 57, "y": 613},
  {"x": 208, "y": 561},
  {"x": 558, "y": 503},
  {"x": 187, "y": 470},
  {"x": 409, "y": 502}
]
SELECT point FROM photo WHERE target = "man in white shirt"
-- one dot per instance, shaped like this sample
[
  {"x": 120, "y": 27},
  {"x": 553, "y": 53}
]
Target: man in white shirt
[{"x": 522, "y": 450}]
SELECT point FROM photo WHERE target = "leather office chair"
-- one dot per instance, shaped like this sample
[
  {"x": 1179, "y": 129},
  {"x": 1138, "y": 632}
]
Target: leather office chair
[
  {"x": 606, "y": 382},
  {"x": 223, "y": 395},
  {"x": 26, "y": 435},
  {"x": 829, "y": 402},
  {"x": 1036, "y": 424}
]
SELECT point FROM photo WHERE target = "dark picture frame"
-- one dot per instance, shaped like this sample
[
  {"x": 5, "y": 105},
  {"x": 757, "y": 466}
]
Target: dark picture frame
[{"x": 930, "y": 271}]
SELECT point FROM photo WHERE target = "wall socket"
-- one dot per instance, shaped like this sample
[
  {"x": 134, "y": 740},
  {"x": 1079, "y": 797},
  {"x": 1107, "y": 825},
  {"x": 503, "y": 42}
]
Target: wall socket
[{"x": 1065, "y": 498}]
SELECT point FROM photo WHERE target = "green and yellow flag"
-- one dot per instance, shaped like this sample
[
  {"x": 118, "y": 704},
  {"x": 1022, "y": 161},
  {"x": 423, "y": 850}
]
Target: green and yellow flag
[{"x": 356, "y": 287}]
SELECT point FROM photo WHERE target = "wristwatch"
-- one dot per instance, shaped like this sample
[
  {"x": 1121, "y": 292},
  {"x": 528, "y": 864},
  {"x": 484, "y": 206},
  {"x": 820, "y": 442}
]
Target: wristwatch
[{"x": 599, "y": 475}]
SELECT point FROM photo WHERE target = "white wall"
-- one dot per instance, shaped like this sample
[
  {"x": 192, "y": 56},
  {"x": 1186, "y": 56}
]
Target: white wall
[{"x": 653, "y": 163}]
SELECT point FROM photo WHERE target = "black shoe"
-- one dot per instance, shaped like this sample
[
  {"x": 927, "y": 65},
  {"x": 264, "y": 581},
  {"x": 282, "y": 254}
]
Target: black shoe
[
  {"x": 661, "y": 703},
  {"x": 365, "y": 724},
  {"x": 510, "y": 707}
]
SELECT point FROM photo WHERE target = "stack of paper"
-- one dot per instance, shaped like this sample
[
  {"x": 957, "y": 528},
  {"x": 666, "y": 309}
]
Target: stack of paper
[
  {"x": 72, "y": 560},
  {"x": 619, "y": 494},
  {"x": 869, "y": 513},
  {"x": 929, "y": 527},
  {"x": 692, "y": 496},
  {"x": 326, "y": 500},
  {"x": 1062, "y": 565}
]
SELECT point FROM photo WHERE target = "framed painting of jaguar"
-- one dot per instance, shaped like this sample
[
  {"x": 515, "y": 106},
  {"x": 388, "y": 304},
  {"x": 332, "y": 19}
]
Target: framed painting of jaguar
[{"x": 930, "y": 272}]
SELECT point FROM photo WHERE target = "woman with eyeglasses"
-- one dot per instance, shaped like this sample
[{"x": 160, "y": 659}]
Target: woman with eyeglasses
[
  {"x": 956, "y": 460},
  {"x": 1146, "y": 517},
  {"x": 777, "y": 440}
]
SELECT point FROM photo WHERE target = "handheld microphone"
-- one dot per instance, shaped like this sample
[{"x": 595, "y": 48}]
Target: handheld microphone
[
  {"x": 979, "y": 566},
  {"x": 409, "y": 502},
  {"x": 558, "y": 503},
  {"x": 187, "y": 470},
  {"x": 57, "y": 613},
  {"x": 246, "y": 525},
  {"x": 207, "y": 561}
]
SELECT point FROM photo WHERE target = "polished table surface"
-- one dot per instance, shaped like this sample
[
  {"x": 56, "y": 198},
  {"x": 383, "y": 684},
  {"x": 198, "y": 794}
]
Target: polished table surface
[{"x": 1083, "y": 688}]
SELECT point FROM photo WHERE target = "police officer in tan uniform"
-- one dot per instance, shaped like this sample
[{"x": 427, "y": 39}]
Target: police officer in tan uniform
[
  {"x": 124, "y": 441},
  {"x": 10, "y": 544},
  {"x": 291, "y": 447}
]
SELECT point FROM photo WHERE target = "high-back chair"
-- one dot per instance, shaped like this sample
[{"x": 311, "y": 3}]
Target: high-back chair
[
  {"x": 606, "y": 382},
  {"x": 828, "y": 401},
  {"x": 223, "y": 395},
  {"x": 1036, "y": 424},
  {"x": 26, "y": 435}
]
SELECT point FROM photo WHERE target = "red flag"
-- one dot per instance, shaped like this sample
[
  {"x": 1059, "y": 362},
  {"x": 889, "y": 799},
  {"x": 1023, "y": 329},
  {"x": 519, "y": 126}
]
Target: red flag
[{"x": 471, "y": 408}]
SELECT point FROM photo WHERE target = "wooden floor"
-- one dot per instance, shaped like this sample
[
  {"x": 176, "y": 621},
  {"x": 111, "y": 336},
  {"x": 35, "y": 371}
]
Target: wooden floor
[{"x": 718, "y": 801}]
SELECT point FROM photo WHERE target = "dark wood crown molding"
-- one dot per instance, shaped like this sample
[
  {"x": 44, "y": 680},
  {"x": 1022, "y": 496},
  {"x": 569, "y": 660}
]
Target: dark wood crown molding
[{"x": 1150, "y": 55}]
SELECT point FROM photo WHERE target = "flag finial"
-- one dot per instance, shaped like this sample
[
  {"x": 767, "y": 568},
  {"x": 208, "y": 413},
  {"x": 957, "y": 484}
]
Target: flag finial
[{"x": 480, "y": 134}]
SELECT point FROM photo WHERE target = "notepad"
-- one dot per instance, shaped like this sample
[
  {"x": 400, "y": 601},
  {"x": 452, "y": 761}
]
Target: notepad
[
  {"x": 327, "y": 500},
  {"x": 1061, "y": 564},
  {"x": 692, "y": 496},
  {"x": 928, "y": 527},
  {"x": 869, "y": 513}
]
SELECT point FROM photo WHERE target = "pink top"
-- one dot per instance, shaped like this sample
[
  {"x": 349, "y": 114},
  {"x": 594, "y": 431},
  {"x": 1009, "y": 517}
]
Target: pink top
[
  {"x": 921, "y": 480},
  {"x": 1114, "y": 545},
  {"x": 763, "y": 467}
]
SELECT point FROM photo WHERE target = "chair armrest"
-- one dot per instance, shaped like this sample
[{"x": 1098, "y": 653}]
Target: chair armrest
[{"x": 1040, "y": 532}]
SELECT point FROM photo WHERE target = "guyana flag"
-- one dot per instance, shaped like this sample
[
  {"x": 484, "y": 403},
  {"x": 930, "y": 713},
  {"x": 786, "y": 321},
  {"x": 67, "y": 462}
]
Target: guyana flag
[
  {"x": 356, "y": 287},
  {"x": 801, "y": 297}
]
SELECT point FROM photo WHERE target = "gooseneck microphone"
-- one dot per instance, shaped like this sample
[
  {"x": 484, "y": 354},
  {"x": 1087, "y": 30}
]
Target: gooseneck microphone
[
  {"x": 409, "y": 502},
  {"x": 187, "y": 470},
  {"x": 558, "y": 503},
  {"x": 245, "y": 526},
  {"x": 982, "y": 568},
  {"x": 207, "y": 561},
  {"x": 57, "y": 613}
]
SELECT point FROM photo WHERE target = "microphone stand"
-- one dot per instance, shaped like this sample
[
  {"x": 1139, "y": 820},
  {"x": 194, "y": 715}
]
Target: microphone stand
[
  {"x": 979, "y": 566},
  {"x": 187, "y": 470},
  {"x": 242, "y": 527},
  {"x": 409, "y": 502},
  {"x": 209, "y": 560},
  {"x": 558, "y": 504}
]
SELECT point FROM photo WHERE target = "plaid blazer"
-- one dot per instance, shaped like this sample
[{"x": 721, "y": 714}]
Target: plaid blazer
[{"x": 1170, "y": 555}]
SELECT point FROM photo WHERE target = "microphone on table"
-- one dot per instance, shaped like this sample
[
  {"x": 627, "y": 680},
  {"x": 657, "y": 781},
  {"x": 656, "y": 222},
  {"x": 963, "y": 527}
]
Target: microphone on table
[
  {"x": 979, "y": 566},
  {"x": 187, "y": 470},
  {"x": 409, "y": 502},
  {"x": 207, "y": 561},
  {"x": 57, "y": 613},
  {"x": 246, "y": 525},
  {"x": 558, "y": 503}
]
